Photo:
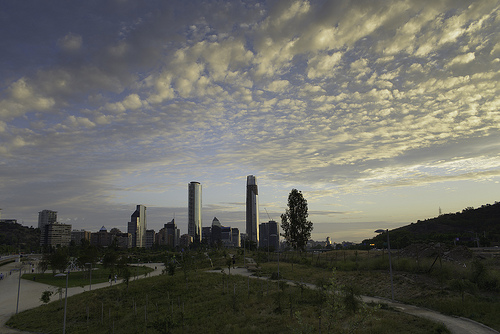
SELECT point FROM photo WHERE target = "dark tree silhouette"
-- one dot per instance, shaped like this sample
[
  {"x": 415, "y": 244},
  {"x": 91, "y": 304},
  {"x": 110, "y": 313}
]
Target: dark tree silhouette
[{"x": 294, "y": 224}]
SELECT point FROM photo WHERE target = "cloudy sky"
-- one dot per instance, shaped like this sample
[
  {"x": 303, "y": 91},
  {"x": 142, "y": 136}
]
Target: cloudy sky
[{"x": 380, "y": 112}]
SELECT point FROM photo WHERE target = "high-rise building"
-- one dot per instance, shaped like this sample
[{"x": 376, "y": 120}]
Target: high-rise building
[
  {"x": 46, "y": 217},
  {"x": 56, "y": 235},
  {"x": 150, "y": 238},
  {"x": 252, "y": 220},
  {"x": 194, "y": 211},
  {"x": 137, "y": 226},
  {"x": 236, "y": 237},
  {"x": 269, "y": 235},
  {"x": 79, "y": 236},
  {"x": 172, "y": 234}
]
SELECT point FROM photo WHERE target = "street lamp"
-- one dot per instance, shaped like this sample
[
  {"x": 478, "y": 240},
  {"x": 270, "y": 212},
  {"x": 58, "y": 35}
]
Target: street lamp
[
  {"x": 18, "y": 286},
  {"x": 65, "y": 299},
  {"x": 390, "y": 262},
  {"x": 89, "y": 263}
]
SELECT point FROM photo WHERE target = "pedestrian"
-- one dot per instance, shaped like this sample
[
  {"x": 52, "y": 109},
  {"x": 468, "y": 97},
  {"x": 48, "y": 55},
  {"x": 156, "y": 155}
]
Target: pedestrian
[
  {"x": 116, "y": 278},
  {"x": 109, "y": 278},
  {"x": 234, "y": 261}
]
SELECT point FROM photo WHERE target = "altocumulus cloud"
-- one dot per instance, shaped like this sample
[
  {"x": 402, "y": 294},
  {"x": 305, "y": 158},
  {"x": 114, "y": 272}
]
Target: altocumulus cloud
[{"x": 110, "y": 101}]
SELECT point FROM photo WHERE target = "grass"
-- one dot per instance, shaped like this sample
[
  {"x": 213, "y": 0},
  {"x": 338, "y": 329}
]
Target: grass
[
  {"x": 82, "y": 278},
  {"x": 196, "y": 301},
  {"x": 414, "y": 281}
]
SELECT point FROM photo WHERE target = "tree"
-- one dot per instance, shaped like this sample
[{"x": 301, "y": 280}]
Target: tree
[
  {"x": 294, "y": 224},
  {"x": 59, "y": 260}
]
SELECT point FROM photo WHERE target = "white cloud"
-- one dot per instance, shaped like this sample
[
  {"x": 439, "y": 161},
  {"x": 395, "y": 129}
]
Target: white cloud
[
  {"x": 323, "y": 65},
  {"x": 338, "y": 99},
  {"x": 462, "y": 59},
  {"x": 278, "y": 86},
  {"x": 70, "y": 42}
]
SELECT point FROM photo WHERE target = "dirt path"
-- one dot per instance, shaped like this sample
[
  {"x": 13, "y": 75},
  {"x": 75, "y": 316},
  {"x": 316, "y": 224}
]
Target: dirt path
[{"x": 454, "y": 324}]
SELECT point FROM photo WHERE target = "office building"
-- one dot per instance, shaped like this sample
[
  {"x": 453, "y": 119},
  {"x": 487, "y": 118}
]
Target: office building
[
  {"x": 186, "y": 240},
  {"x": 269, "y": 235},
  {"x": 56, "y": 235},
  {"x": 150, "y": 238},
  {"x": 194, "y": 211},
  {"x": 216, "y": 235},
  {"x": 137, "y": 227},
  {"x": 206, "y": 235},
  {"x": 172, "y": 234},
  {"x": 252, "y": 210},
  {"x": 236, "y": 237},
  {"x": 46, "y": 217},
  {"x": 79, "y": 236},
  {"x": 227, "y": 236}
]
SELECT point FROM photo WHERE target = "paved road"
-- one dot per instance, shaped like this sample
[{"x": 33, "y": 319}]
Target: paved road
[
  {"x": 30, "y": 292},
  {"x": 454, "y": 324}
]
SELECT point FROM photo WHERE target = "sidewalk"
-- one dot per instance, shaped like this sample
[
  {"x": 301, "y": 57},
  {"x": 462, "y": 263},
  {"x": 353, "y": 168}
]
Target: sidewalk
[{"x": 31, "y": 291}]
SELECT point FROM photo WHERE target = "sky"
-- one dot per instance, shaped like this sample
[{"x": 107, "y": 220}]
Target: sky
[{"x": 380, "y": 112}]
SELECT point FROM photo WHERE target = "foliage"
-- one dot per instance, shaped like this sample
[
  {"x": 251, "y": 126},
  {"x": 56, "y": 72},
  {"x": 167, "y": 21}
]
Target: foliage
[
  {"x": 16, "y": 238},
  {"x": 45, "y": 298},
  {"x": 59, "y": 259},
  {"x": 296, "y": 228},
  {"x": 163, "y": 304},
  {"x": 469, "y": 226}
]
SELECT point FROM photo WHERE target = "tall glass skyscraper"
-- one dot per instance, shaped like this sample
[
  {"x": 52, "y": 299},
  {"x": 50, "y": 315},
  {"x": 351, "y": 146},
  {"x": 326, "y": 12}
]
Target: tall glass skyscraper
[
  {"x": 194, "y": 211},
  {"x": 252, "y": 210},
  {"x": 137, "y": 226}
]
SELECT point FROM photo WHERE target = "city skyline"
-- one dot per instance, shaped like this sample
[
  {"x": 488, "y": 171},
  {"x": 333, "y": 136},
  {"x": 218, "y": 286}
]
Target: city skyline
[{"x": 380, "y": 112}]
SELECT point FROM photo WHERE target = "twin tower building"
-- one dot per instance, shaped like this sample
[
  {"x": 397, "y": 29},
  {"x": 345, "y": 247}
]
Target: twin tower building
[{"x": 252, "y": 210}]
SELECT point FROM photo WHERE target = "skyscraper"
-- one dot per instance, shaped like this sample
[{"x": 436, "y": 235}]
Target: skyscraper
[
  {"x": 252, "y": 210},
  {"x": 269, "y": 235},
  {"x": 194, "y": 211},
  {"x": 46, "y": 217},
  {"x": 137, "y": 227}
]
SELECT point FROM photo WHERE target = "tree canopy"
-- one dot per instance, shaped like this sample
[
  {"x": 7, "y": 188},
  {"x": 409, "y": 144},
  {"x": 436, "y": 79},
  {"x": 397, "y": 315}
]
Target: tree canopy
[{"x": 294, "y": 224}]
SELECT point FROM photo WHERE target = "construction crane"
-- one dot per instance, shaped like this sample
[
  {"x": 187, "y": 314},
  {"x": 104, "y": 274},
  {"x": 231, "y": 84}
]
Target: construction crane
[{"x": 268, "y": 215}]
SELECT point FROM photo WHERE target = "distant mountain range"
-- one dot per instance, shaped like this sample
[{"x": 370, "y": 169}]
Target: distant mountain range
[{"x": 470, "y": 227}]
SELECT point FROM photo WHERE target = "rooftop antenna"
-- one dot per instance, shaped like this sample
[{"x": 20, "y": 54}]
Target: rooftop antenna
[{"x": 440, "y": 211}]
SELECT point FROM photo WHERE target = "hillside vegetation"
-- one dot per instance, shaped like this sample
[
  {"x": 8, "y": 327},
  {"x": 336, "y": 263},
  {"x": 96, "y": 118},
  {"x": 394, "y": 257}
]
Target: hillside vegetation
[
  {"x": 470, "y": 227},
  {"x": 15, "y": 237}
]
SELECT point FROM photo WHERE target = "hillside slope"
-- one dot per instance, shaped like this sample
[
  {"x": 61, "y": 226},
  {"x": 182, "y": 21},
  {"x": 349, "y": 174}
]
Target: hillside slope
[
  {"x": 15, "y": 237},
  {"x": 469, "y": 227}
]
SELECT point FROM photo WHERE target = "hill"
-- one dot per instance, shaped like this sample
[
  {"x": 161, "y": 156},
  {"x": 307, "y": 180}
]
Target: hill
[
  {"x": 15, "y": 237},
  {"x": 470, "y": 227}
]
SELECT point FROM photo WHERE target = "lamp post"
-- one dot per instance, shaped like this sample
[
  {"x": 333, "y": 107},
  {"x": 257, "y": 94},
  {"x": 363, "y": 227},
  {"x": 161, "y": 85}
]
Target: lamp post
[
  {"x": 390, "y": 262},
  {"x": 18, "y": 287},
  {"x": 65, "y": 299},
  {"x": 90, "y": 263}
]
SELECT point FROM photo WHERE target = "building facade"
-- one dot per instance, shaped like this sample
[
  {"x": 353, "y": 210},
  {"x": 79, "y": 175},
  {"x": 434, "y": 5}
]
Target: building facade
[
  {"x": 56, "y": 235},
  {"x": 137, "y": 226},
  {"x": 236, "y": 237},
  {"x": 46, "y": 217},
  {"x": 78, "y": 235},
  {"x": 194, "y": 211},
  {"x": 252, "y": 210},
  {"x": 150, "y": 238},
  {"x": 269, "y": 235}
]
